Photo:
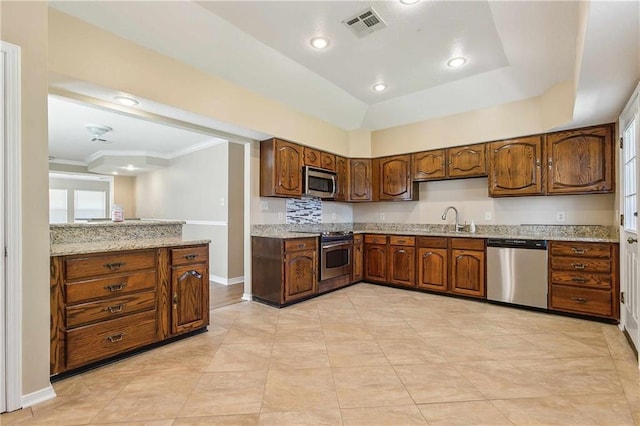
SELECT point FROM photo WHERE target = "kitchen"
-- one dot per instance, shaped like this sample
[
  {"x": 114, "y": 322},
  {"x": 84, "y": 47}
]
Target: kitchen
[{"x": 70, "y": 57}]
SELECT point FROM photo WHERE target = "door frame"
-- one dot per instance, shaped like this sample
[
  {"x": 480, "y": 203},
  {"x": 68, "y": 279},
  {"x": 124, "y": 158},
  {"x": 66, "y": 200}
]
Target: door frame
[{"x": 12, "y": 330}]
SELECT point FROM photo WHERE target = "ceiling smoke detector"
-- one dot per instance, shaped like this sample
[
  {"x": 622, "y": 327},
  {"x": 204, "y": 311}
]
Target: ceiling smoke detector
[
  {"x": 365, "y": 22},
  {"x": 97, "y": 131}
]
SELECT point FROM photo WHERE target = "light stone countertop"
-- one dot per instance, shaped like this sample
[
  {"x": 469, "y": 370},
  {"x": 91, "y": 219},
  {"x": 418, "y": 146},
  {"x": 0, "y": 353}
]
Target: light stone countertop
[
  {"x": 108, "y": 223},
  {"x": 66, "y": 249}
]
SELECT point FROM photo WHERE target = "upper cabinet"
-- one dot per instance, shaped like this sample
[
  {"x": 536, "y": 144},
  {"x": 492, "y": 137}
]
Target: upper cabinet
[
  {"x": 429, "y": 165},
  {"x": 280, "y": 168},
  {"x": 580, "y": 160},
  {"x": 450, "y": 163},
  {"x": 319, "y": 159},
  {"x": 393, "y": 178},
  {"x": 515, "y": 167},
  {"x": 360, "y": 179},
  {"x": 342, "y": 176}
]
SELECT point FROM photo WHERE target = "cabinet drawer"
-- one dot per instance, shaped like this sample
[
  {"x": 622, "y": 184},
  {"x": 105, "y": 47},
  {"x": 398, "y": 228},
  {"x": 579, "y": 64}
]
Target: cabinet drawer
[
  {"x": 375, "y": 239},
  {"x": 358, "y": 238},
  {"x": 467, "y": 243},
  {"x": 580, "y": 249},
  {"x": 91, "y": 266},
  {"x": 581, "y": 279},
  {"x": 187, "y": 255},
  {"x": 99, "y": 341},
  {"x": 432, "y": 242},
  {"x": 82, "y": 291},
  {"x": 299, "y": 244},
  {"x": 401, "y": 240},
  {"x": 581, "y": 300},
  {"x": 580, "y": 264},
  {"x": 116, "y": 307}
]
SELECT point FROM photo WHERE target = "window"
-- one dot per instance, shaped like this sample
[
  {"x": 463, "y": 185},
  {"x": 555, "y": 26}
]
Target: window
[
  {"x": 630, "y": 170},
  {"x": 57, "y": 206},
  {"x": 90, "y": 204}
]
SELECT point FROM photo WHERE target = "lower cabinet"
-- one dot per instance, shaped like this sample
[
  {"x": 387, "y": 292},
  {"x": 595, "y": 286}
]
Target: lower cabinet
[
  {"x": 358, "y": 258},
  {"x": 284, "y": 270},
  {"x": 375, "y": 258},
  {"x": 432, "y": 263},
  {"x": 402, "y": 261},
  {"x": 189, "y": 289}
]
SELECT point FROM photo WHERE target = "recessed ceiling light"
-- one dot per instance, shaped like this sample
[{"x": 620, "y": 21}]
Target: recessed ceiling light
[
  {"x": 115, "y": 173},
  {"x": 409, "y": 1},
  {"x": 456, "y": 62},
  {"x": 126, "y": 100},
  {"x": 130, "y": 167},
  {"x": 379, "y": 87},
  {"x": 319, "y": 42}
]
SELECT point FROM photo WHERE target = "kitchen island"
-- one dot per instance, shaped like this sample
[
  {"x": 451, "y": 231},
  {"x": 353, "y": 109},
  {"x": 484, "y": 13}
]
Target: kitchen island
[{"x": 119, "y": 287}]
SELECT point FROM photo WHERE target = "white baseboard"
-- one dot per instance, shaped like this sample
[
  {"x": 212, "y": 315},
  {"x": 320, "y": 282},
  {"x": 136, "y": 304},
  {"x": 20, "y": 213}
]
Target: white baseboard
[
  {"x": 247, "y": 296},
  {"x": 225, "y": 281},
  {"x": 38, "y": 396}
]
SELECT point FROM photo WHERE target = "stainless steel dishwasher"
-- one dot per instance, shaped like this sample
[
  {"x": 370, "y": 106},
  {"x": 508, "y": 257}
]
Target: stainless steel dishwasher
[{"x": 517, "y": 271}]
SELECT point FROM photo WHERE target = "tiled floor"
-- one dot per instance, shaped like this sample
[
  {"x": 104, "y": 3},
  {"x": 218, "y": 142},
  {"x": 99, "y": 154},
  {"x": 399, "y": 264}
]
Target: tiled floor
[
  {"x": 223, "y": 295},
  {"x": 365, "y": 355}
]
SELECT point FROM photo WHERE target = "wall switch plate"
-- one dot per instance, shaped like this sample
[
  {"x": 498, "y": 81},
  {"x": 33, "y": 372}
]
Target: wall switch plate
[
  {"x": 264, "y": 206},
  {"x": 222, "y": 201},
  {"x": 333, "y": 216},
  {"x": 560, "y": 216},
  {"x": 381, "y": 216},
  {"x": 487, "y": 215},
  {"x": 280, "y": 216}
]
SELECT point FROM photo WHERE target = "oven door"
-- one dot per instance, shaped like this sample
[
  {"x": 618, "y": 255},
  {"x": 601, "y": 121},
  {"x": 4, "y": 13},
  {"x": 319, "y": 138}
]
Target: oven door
[{"x": 336, "y": 259}]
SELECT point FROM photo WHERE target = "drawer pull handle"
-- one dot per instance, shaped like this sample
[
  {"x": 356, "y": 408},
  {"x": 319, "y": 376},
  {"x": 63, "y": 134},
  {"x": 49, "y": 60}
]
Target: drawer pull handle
[
  {"x": 115, "y": 287},
  {"x": 190, "y": 256},
  {"x": 401, "y": 251},
  {"x": 580, "y": 299},
  {"x": 114, "y": 266},
  {"x": 578, "y": 265},
  {"x": 116, "y": 337},
  {"x": 579, "y": 251},
  {"x": 115, "y": 309},
  {"x": 301, "y": 246},
  {"x": 579, "y": 280}
]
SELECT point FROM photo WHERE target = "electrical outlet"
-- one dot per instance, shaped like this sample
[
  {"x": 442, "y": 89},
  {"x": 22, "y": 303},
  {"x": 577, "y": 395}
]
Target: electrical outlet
[
  {"x": 280, "y": 216},
  {"x": 487, "y": 215},
  {"x": 560, "y": 216},
  {"x": 381, "y": 216},
  {"x": 264, "y": 206},
  {"x": 222, "y": 201},
  {"x": 333, "y": 216}
]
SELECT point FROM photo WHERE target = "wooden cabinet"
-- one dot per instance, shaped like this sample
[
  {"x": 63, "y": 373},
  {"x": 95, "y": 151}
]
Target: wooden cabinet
[
  {"x": 515, "y": 167},
  {"x": 189, "y": 288},
  {"x": 106, "y": 304},
  {"x": 394, "y": 178},
  {"x": 342, "y": 177},
  {"x": 429, "y": 165},
  {"x": 402, "y": 260},
  {"x": 375, "y": 258},
  {"x": 319, "y": 159},
  {"x": 284, "y": 270},
  {"x": 580, "y": 161},
  {"x": 450, "y": 163},
  {"x": 360, "y": 183},
  {"x": 281, "y": 168},
  {"x": 583, "y": 278},
  {"x": 432, "y": 264},
  {"x": 358, "y": 260}
]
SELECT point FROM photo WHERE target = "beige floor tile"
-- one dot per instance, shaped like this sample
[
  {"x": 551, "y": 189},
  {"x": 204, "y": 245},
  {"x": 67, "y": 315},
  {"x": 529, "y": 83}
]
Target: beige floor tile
[
  {"x": 100, "y": 384},
  {"x": 619, "y": 347},
  {"x": 390, "y": 329},
  {"x": 301, "y": 418},
  {"x": 502, "y": 379},
  {"x": 241, "y": 357},
  {"x": 511, "y": 347},
  {"x": 65, "y": 410},
  {"x": 337, "y": 331},
  {"x": 299, "y": 355},
  {"x": 339, "y": 315},
  {"x": 217, "y": 394},
  {"x": 15, "y": 417},
  {"x": 409, "y": 351},
  {"x": 355, "y": 353},
  {"x": 436, "y": 382},
  {"x": 560, "y": 345},
  {"x": 167, "y": 422},
  {"x": 469, "y": 325},
  {"x": 299, "y": 390},
  {"x": 458, "y": 348},
  {"x": 608, "y": 409},
  {"x": 463, "y": 414},
  {"x": 250, "y": 333},
  {"x": 231, "y": 420},
  {"x": 369, "y": 387},
  {"x": 390, "y": 416},
  {"x": 195, "y": 354}
]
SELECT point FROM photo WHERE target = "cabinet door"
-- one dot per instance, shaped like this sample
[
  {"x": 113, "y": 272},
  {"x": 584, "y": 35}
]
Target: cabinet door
[
  {"x": 402, "y": 261},
  {"x": 300, "y": 274},
  {"x": 190, "y": 297},
  {"x": 467, "y": 161},
  {"x": 580, "y": 161},
  {"x": 311, "y": 157},
  {"x": 288, "y": 166},
  {"x": 328, "y": 161},
  {"x": 357, "y": 262},
  {"x": 467, "y": 272},
  {"x": 375, "y": 262},
  {"x": 515, "y": 167},
  {"x": 395, "y": 178},
  {"x": 342, "y": 176},
  {"x": 432, "y": 268},
  {"x": 429, "y": 165},
  {"x": 359, "y": 179}
]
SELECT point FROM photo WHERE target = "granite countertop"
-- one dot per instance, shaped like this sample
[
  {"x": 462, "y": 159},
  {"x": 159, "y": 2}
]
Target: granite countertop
[
  {"x": 117, "y": 245},
  {"x": 100, "y": 223}
]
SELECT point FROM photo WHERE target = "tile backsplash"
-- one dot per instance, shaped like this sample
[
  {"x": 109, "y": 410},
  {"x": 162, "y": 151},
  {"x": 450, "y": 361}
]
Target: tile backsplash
[{"x": 303, "y": 210}]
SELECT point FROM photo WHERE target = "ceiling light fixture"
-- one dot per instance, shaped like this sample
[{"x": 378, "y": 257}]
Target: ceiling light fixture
[
  {"x": 130, "y": 167},
  {"x": 379, "y": 87},
  {"x": 408, "y": 2},
  {"x": 456, "y": 62},
  {"x": 126, "y": 100},
  {"x": 319, "y": 42},
  {"x": 97, "y": 131}
]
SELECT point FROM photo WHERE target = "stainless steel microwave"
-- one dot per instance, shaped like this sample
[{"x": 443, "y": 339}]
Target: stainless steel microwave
[{"x": 319, "y": 183}]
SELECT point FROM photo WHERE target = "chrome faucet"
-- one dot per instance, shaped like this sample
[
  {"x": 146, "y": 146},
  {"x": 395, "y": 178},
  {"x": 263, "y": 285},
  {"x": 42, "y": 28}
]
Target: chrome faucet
[{"x": 458, "y": 227}]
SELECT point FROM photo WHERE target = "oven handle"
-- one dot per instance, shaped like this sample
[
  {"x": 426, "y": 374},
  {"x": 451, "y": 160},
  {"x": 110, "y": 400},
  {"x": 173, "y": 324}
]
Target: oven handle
[{"x": 338, "y": 244}]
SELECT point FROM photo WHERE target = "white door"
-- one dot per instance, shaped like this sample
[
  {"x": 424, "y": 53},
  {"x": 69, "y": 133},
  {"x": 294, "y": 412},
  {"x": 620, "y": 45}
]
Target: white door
[
  {"x": 629, "y": 128},
  {"x": 3, "y": 269}
]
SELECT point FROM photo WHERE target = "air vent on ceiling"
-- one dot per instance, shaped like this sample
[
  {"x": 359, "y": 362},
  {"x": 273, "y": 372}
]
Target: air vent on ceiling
[{"x": 365, "y": 22}]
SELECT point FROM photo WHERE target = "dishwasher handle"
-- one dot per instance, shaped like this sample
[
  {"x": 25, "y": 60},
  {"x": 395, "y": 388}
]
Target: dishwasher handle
[{"x": 517, "y": 243}]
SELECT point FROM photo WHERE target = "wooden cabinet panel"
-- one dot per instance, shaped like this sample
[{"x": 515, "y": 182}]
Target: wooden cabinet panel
[
  {"x": 190, "y": 297},
  {"x": 468, "y": 272},
  {"x": 402, "y": 260},
  {"x": 468, "y": 243},
  {"x": 312, "y": 157},
  {"x": 395, "y": 182},
  {"x": 360, "y": 184},
  {"x": 87, "y": 313},
  {"x": 402, "y": 240},
  {"x": 515, "y": 167},
  {"x": 327, "y": 161},
  {"x": 375, "y": 262},
  {"x": 82, "y": 291},
  {"x": 580, "y": 160},
  {"x": 429, "y": 165},
  {"x": 91, "y": 265},
  {"x": 358, "y": 252},
  {"x": 280, "y": 168},
  {"x": 467, "y": 161},
  {"x": 375, "y": 239},
  {"x": 581, "y": 300},
  {"x": 578, "y": 249},
  {"x": 294, "y": 244},
  {"x": 433, "y": 242},
  {"x": 583, "y": 279},
  {"x": 342, "y": 177},
  {"x": 300, "y": 274},
  {"x": 580, "y": 264},
  {"x": 432, "y": 268}
]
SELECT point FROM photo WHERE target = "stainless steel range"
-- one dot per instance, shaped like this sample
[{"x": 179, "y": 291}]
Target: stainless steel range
[{"x": 336, "y": 254}]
